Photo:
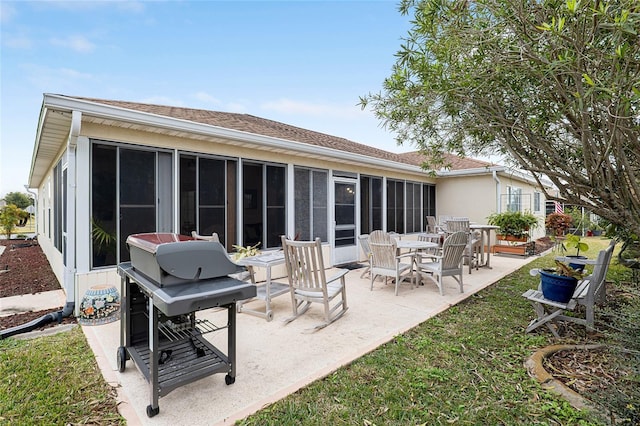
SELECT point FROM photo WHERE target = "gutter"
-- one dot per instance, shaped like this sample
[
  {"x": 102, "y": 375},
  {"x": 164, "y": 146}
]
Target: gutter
[
  {"x": 69, "y": 270},
  {"x": 471, "y": 172},
  {"x": 38, "y": 322}
]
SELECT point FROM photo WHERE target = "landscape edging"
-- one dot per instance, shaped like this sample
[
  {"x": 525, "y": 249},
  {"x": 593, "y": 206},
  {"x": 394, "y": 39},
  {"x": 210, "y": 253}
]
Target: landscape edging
[{"x": 535, "y": 367}]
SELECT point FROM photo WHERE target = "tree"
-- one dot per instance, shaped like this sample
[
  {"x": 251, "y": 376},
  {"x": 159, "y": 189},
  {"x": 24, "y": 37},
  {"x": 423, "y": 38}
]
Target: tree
[
  {"x": 10, "y": 216},
  {"x": 21, "y": 200},
  {"x": 554, "y": 85}
]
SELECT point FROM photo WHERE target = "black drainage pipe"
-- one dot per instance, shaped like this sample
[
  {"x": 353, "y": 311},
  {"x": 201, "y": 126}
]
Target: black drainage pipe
[{"x": 39, "y": 322}]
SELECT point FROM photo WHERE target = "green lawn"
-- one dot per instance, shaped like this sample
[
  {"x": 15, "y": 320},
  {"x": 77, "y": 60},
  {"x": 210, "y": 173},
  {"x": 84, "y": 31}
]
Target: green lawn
[{"x": 54, "y": 380}]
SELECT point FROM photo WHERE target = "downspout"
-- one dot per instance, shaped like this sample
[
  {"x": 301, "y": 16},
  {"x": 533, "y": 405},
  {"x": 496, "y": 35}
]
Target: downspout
[
  {"x": 498, "y": 190},
  {"x": 70, "y": 266},
  {"x": 70, "y": 255}
]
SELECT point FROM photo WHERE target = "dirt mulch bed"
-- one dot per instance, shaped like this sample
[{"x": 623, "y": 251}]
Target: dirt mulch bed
[{"x": 25, "y": 270}]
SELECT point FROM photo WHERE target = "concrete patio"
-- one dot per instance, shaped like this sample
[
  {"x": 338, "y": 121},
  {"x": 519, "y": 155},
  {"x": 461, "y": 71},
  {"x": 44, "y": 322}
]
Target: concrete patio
[{"x": 274, "y": 359}]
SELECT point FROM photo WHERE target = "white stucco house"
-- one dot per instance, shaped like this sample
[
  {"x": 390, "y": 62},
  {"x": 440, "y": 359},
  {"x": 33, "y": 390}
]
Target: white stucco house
[{"x": 106, "y": 169}]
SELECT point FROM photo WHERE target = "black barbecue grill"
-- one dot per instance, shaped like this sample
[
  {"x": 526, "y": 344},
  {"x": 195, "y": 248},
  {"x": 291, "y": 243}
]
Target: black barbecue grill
[{"x": 170, "y": 278}]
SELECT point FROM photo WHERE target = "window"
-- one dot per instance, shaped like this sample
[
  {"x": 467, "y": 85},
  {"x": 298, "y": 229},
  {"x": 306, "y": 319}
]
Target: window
[
  {"x": 208, "y": 197},
  {"x": 59, "y": 206},
  {"x": 536, "y": 201},
  {"x": 104, "y": 204},
  {"x": 428, "y": 200},
  {"x": 263, "y": 204},
  {"x": 125, "y": 198},
  {"x": 137, "y": 195},
  {"x": 311, "y": 204},
  {"x": 370, "y": 204},
  {"x": 395, "y": 206},
  {"x": 413, "y": 210},
  {"x": 514, "y": 199}
]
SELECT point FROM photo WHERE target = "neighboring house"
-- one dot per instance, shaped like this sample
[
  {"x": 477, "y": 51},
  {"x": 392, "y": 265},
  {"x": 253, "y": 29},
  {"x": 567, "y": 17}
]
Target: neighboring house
[
  {"x": 476, "y": 188},
  {"x": 106, "y": 169}
]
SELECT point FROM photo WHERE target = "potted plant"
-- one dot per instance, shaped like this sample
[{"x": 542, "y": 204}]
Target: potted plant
[
  {"x": 574, "y": 241},
  {"x": 104, "y": 243},
  {"x": 559, "y": 283},
  {"x": 514, "y": 225},
  {"x": 242, "y": 252},
  {"x": 594, "y": 229}
]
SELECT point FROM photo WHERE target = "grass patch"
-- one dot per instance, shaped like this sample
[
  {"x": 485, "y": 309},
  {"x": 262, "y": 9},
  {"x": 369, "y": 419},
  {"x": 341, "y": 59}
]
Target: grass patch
[
  {"x": 464, "y": 366},
  {"x": 54, "y": 380}
]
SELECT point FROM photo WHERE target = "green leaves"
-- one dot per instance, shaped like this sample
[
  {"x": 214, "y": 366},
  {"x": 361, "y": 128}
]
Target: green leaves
[
  {"x": 554, "y": 83},
  {"x": 572, "y": 5},
  {"x": 574, "y": 241},
  {"x": 588, "y": 80}
]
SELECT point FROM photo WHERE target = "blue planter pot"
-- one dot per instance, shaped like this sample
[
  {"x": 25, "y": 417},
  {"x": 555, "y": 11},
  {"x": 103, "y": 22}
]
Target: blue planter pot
[
  {"x": 557, "y": 287},
  {"x": 577, "y": 266}
]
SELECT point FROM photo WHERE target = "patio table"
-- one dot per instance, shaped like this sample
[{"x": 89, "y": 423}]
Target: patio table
[
  {"x": 485, "y": 236},
  {"x": 267, "y": 290},
  {"x": 415, "y": 246}
]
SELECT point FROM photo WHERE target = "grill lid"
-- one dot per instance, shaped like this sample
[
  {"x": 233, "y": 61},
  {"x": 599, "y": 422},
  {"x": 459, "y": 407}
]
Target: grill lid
[{"x": 185, "y": 258}]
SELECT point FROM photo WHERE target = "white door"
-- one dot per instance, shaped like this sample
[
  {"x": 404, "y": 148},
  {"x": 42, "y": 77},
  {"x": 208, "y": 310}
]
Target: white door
[{"x": 345, "y": 248}]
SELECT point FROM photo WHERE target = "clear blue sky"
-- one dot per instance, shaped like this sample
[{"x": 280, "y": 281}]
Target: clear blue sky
[{"x": 304, "y": 63}]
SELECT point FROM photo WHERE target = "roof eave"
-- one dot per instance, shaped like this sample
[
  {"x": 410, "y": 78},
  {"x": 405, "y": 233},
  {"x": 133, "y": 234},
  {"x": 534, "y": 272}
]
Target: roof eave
[
  {"x": 36, "y": 145},
  {"x": 144, "y": 118},
  {"x": 471, "y": 172}
]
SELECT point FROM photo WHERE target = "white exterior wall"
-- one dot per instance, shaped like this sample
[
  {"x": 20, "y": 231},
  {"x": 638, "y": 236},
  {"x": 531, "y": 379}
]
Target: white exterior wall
[
  {"x": 46, "y": 218},
  {"x": 478, "y": 196},
  {"x": 466, "y": 196},
  {"x": 527, "y": 188},
  {"x": 85, "y": 278}
]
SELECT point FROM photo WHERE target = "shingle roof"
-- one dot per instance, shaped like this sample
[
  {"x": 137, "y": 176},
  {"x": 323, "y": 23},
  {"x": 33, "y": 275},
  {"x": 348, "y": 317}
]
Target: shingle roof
[
  {"x": 256, "y": 125},
  {"x": 265, "y": 127},
  {"x": 455, "y": 162}
]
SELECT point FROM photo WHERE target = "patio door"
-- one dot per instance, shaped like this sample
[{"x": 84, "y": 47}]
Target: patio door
[{"x": 345, "y": 248}]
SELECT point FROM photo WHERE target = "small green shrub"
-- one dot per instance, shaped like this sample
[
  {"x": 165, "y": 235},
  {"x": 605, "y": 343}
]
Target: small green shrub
[{"x": 515, "y": 223}]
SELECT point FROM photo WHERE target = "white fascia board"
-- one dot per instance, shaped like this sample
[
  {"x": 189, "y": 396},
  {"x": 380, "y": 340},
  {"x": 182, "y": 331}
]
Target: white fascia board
[
  {"x": 526, "y": 176},
  {"x": 518, "y": 174},
  {"x": 469, "y": 172},
  {"x": 36, "y": 145},
  {"x": 144, "y": 118}
]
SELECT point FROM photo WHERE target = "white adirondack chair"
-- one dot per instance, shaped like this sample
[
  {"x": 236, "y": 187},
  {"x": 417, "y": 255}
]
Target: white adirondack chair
[
  {"x": 385, "y": 260},
  {"x": 449, "y": 263}
]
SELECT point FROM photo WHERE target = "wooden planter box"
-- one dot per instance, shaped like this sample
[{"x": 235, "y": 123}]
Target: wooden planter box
[
  {"x": 511, "y": 238},
  {"x": 523, "y": 248},
  {"x": 520, "y": 250}
]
